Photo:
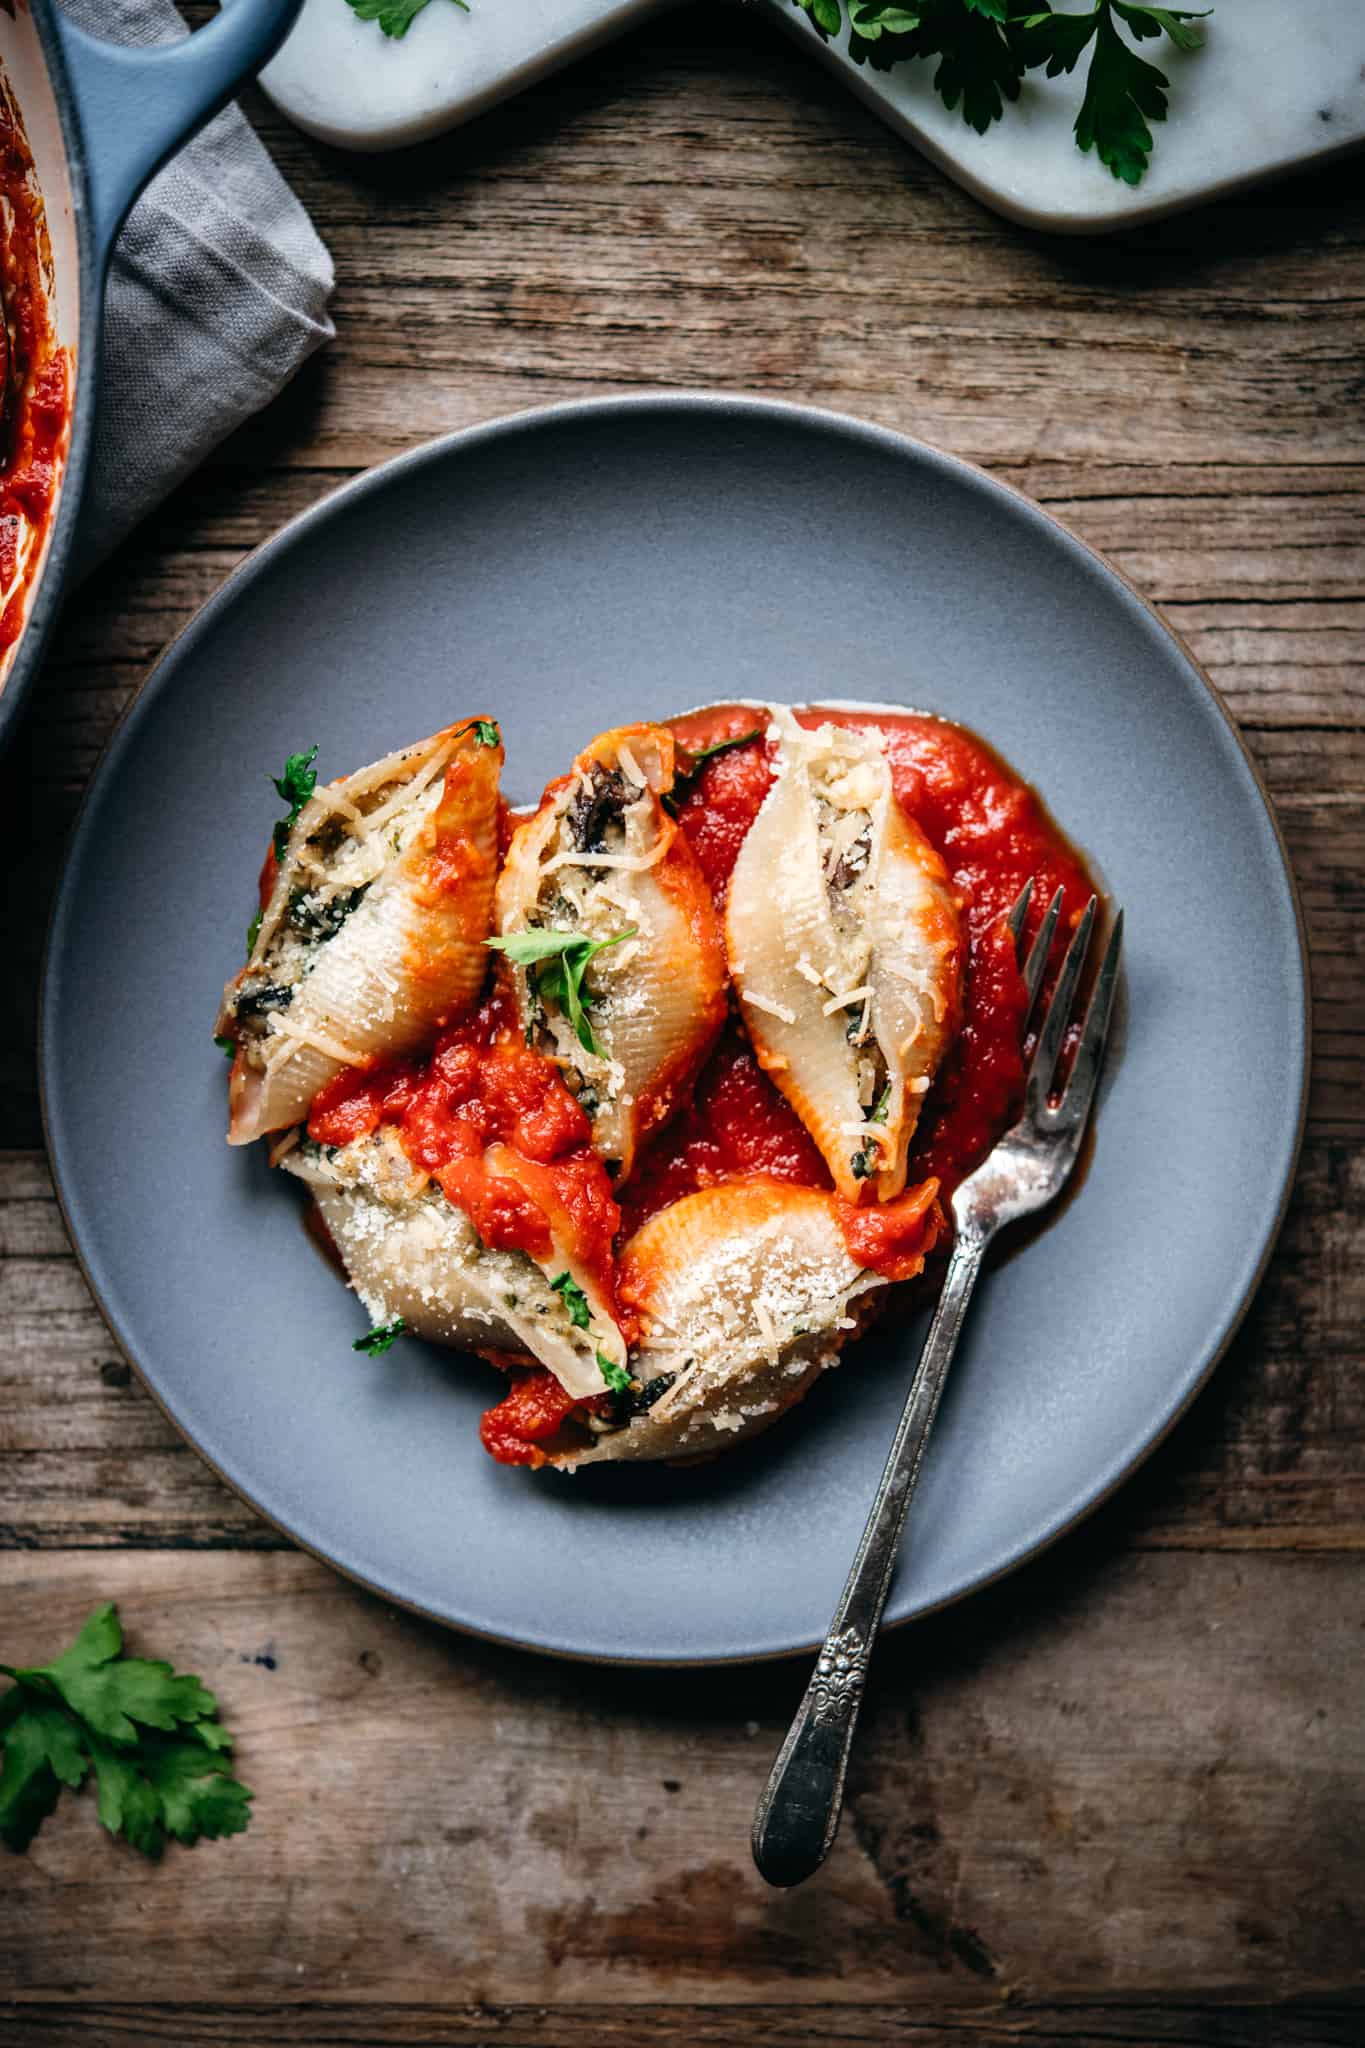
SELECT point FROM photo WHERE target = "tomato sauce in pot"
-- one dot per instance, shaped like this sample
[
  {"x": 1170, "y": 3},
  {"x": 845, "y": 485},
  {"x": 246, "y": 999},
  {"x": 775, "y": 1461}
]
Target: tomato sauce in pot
[{"x": 36, "y": 420}]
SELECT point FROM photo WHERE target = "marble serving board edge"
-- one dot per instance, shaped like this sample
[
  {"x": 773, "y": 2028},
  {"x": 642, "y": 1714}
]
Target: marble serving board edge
[
  {"x": 341, "y": 80},
  {"x": 1257, "y": 102},
  {"x": 1233, "y": 123}
]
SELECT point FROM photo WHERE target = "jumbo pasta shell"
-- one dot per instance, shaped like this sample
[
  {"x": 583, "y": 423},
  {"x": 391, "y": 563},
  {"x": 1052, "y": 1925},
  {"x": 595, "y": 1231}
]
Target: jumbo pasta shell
[
  {"x": 410, "y": 1252},
  {"x": 746, "y": 1292},
  {"x": 375, "y": 927},
  {"x": 602, "y": 858},
  {"x": 844, "y": 946}
]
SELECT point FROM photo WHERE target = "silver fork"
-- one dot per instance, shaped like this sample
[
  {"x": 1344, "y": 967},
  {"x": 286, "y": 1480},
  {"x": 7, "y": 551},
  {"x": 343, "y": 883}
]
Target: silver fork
[{"x": 798, "y": 1815}]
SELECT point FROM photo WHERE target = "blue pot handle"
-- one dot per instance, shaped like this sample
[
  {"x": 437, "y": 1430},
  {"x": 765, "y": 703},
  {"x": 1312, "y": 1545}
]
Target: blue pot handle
[{"x": 138, "y": 103}]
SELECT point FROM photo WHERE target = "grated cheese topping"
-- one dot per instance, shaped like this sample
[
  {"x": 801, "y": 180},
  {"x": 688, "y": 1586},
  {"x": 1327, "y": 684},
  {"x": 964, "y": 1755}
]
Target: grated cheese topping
[
  {"x": 844, "y": 1001},
  {"x": 632, "y": 863},
  {"x": 768, "y": 1006}
]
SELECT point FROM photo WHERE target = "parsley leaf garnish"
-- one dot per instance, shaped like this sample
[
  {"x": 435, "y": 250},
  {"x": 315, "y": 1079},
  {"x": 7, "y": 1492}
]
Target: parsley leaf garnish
[
  {"x": 1121, "y": 90},
  {"x": 395, "y": 17},
  {"x": 253, "y": 932},
  {"x": 616, "y": 1376},
  {"x": 872, "y": 19},
  {"x": 295, "y": 786},
  {"x": 557, "y": 962},
  {"x": 151, "y": 1735},
  {"x": 485, "y": 733},
  {"x": 697, "y": 759},
  {"x": 980, "y": 65},
  {"x": 575, "y": 1300},
  {"x": 381, "y": 1338},
  {"x": 985, "y": 48},
  {"x": 227, "y": 1047}
]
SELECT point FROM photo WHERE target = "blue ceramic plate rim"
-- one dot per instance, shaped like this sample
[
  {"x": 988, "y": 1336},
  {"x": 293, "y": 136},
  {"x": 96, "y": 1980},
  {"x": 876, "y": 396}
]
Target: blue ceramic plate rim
[{"x": 63, "y": 1142}]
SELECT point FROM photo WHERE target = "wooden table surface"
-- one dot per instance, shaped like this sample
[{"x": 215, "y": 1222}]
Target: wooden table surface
[{"x": 1121, "y": 1796}]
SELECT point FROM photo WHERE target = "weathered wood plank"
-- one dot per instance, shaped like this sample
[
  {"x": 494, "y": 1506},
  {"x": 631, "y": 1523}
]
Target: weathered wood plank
[
  {"x": 1110, "y": 1779},
  {"x": 1305, "y": 2024}
]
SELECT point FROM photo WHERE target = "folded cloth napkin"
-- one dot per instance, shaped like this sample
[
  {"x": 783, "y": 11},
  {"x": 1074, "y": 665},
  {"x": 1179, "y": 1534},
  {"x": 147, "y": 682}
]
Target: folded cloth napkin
[{"x": 217, "y": 292}]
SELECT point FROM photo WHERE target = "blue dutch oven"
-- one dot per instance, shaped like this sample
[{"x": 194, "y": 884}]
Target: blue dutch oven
[{"x": 100, "y": 119}]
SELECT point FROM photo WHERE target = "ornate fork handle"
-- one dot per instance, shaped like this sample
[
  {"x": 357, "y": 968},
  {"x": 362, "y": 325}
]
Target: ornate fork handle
[
  {"x": 798, "y": 1815},
  {"x": 1025, "y": 1170}
]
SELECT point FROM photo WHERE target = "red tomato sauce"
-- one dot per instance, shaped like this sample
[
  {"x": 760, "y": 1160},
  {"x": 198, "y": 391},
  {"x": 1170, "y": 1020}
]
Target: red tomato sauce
[
  {"x": 35, "y": 428},
  {"x": 525, "y": 1424}
]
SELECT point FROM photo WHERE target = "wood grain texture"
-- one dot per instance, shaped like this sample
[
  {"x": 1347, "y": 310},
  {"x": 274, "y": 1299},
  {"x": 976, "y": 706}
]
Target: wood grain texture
[
  {"x": 1118, "y": 1798},
  {"x": 1096, "y": 1781}
]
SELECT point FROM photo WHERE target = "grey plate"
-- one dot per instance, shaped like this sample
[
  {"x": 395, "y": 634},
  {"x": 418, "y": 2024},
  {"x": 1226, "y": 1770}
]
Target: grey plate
[{"x": 567, "y": 570}]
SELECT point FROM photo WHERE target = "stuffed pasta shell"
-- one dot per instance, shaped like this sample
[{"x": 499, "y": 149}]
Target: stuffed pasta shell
[
  {"x": 844, "y": 946},
  {"x": 374, "y": 926},
  {"x": 420, "y": 1248},
  {"x": 610, "y": 941},
  {"x": 745, "y": 1293}
]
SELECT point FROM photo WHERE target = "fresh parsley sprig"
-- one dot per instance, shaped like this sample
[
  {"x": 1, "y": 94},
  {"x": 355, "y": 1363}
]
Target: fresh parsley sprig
[
  {"x": 151, "y": 1736},
  {"x": 1122, "y": 91},
  {"x": 485, "y": 732},
  {"x": 295, "y": 786},
  {"x": 984, "y": 49},
  {"x": 557, "y": 962}
]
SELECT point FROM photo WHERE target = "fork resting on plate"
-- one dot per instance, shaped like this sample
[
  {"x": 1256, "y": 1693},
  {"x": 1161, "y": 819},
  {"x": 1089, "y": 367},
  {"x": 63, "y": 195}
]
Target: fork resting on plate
[{"x": 798, "y": 1814}]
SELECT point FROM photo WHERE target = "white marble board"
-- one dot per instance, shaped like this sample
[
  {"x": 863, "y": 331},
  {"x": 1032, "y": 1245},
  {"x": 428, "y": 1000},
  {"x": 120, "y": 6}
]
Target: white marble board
[{"x": 1276, "y": 88}]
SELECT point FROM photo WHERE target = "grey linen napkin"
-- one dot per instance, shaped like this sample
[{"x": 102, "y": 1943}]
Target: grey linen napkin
[{"x": 217, "y": 293}]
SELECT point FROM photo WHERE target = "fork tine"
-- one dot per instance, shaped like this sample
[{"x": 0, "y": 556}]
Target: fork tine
[
  {"x": 1058, "y": 1012},
  {"x": 1036, "y": 964},
  {"x": 1018, "y": 913},
  {"x": 1085, "y": 1068}
]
